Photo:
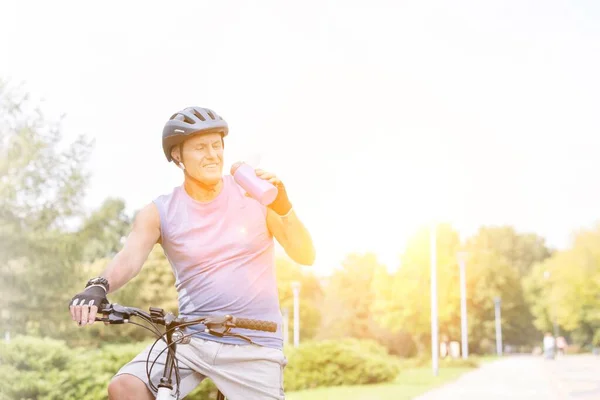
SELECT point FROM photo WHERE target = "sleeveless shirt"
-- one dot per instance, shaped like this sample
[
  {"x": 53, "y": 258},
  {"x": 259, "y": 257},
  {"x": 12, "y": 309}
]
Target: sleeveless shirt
[{"x": 222, "y": 256}]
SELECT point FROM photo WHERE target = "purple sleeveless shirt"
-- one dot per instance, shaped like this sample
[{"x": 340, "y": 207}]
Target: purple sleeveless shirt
[{"x": 222, "y": 255}]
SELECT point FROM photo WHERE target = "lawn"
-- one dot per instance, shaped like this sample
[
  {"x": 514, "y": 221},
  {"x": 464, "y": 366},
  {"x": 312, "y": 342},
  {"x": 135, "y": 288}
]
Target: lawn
[{"x": 409, "y": 384}]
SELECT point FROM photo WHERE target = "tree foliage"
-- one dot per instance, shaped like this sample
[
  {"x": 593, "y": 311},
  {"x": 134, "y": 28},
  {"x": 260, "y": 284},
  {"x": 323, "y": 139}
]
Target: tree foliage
[
  {"x": 564, "y": 289},
  {"x": 496, "y": 259},
  {"x": 41, "y": 192}
]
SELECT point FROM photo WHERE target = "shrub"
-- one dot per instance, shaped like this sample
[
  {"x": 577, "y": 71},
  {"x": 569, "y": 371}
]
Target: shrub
[
  {"x": 35, "y": 354},
  {"x": 339, "y": 362},
  {"x": 31, "y": 366},
  {"x": 46, "y": 369}
]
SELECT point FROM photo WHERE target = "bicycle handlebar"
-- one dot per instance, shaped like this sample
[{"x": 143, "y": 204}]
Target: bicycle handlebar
[
  {"x": 215, "y": 325},
  {"x": 118, "y": 314}
]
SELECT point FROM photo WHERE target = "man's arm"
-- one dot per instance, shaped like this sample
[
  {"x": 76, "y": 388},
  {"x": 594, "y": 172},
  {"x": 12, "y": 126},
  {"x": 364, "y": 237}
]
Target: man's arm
[
  {"x": 122, "y": 268},
  {"x": 129, "y": 261},
  {"x": 293, "y": 236}
]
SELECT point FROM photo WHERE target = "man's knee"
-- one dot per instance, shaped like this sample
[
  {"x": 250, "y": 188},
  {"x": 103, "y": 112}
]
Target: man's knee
[{"x": 128, "y": 387}]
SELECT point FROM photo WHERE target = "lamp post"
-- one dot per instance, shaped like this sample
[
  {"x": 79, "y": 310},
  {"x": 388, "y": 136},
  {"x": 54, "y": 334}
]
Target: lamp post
[
  {"x": 553, "y": 317},
  {"x": 497, "y": 302},
  {"x": 462, "y": 260},
  {"x": 434, "y": 308}
]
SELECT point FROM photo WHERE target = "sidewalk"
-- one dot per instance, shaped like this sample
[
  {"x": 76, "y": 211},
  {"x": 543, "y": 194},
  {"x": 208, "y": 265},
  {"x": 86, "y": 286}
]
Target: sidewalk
[{"x": 526, "y": 377}]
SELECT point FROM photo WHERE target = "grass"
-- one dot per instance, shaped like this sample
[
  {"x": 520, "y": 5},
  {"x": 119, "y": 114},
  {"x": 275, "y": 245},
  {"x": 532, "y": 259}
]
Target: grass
[{"x": 411, "y": 382}]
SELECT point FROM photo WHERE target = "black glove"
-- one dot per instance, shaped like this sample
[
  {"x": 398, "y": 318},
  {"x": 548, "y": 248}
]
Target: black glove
[
  {"x": 281, "y": 205},
  {"x": 91, "y": 296}
]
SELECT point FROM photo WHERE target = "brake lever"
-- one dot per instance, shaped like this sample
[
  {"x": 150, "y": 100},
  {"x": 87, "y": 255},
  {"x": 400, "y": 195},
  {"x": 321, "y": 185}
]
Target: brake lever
[
  {"x": 113, "y": 319},
  {"x": 217, "y": 324},
  {"x": 117, "y": 314}
]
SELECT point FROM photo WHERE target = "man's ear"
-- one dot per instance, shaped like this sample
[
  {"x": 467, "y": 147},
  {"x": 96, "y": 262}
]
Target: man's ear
[{"x": 176, "y": 154}]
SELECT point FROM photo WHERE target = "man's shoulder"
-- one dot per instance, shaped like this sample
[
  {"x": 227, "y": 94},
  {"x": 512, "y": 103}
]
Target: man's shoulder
[{"x": 166, "y": 196}]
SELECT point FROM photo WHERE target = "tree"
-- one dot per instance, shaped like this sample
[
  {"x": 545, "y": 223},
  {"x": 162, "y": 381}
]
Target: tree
[
  {"x": 490, "y": 276},
  {"x": 521, "y": 251},
  {"x": 403, "y": 300},
  {"x": 41, "y": 191},
  {"x": 404, "y": 303},
  {"x": 348, "y": 306},
  {"x": 311, "y": 296},
  {"x": 45, "y": 232},
  {"x": 564, "y": 290},
  {"x": 349, "y": 297},
  {"x": 103, "y": 231}
]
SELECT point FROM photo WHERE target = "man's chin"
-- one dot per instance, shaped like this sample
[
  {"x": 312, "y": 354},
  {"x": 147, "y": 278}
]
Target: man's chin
[{"x": 212, "y": 179}]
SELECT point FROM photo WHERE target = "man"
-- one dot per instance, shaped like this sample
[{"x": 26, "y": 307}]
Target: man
[
  {"x": 549, "y": 346},
  {"x": 219, "y": 242}
]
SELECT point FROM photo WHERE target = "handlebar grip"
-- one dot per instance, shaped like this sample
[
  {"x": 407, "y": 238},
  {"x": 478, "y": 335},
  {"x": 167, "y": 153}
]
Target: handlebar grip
[{"x": 255, "y": 324}]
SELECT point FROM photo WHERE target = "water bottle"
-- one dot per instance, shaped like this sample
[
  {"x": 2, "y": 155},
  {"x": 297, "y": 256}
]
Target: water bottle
[{"x": 259, "y": 189}]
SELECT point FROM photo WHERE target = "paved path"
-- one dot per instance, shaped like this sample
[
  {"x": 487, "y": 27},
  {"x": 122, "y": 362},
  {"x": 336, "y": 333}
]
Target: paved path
[{"x": 526, "y": 377}]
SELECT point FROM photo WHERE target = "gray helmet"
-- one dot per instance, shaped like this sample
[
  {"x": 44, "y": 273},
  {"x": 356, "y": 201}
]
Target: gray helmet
[{"x": 190, "y": 121}]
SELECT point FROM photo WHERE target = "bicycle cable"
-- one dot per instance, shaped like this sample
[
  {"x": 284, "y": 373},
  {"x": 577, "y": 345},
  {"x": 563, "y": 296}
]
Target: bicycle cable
[{"x": 175, "y": 361}]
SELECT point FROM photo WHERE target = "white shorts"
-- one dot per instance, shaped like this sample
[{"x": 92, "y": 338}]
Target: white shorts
[{"x": 245, "y": 372}]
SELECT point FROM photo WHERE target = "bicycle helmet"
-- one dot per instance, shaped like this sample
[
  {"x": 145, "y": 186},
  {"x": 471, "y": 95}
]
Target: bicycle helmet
[{"x": 188, "y": 122}]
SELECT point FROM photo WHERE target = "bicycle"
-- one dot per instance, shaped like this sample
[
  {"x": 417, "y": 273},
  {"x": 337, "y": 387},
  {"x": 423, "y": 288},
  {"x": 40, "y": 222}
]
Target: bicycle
[{"x": 215, "y": 325}]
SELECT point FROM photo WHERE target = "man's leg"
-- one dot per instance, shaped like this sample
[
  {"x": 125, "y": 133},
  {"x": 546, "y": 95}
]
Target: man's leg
[
  {"x": 128, "y": 387},
  {"x": 249, "y": 372},
  {"x": 131, "y": 381}
]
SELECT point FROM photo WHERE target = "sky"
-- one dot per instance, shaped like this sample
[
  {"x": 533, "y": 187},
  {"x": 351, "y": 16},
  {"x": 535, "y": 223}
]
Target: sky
[{"x": 379, "y": 116}]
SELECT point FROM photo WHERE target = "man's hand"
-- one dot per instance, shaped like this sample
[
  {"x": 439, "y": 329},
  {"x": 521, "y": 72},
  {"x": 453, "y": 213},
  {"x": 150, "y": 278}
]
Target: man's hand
[
  {"x": 281, "y": 205},
  {"x": 84, "y": 306}
]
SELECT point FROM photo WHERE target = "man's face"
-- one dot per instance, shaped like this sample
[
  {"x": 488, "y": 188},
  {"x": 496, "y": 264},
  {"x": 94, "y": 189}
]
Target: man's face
[{"x": 203, "y": 157}]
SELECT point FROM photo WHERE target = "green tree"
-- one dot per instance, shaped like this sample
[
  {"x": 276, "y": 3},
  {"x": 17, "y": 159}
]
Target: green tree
[
  {"x": 521, "y": 250},
  {"x": 348, "y": 299},
  {"x": 403, "y": 301},
  {"x": 311, "y": 296},
  {"x": 564, "y": 290},
  {"x": 348, "y": 306},
  {"x": 104, "y": 229},
  {"x": 489, "y": 276},
  {"x": 41, "y": 190},
  {"x": 45, "y": 232}
]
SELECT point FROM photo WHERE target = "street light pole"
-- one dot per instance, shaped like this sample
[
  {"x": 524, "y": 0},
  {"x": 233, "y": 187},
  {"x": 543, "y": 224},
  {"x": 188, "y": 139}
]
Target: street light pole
[
  {"x": 553, "y": 317},
  {"x": 462, "y": 258},
  {"x": 497, "y": 302},
  {"x": 434, "y": 308},
  {"x": 296, "y": 290}
]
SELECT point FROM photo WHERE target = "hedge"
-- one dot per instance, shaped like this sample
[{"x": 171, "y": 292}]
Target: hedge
[{"x": 47, "y": 369}]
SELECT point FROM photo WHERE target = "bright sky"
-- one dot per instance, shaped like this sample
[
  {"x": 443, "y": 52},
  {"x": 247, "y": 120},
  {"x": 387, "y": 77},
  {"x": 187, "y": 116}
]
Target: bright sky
[{"x": 378, "y": 115}]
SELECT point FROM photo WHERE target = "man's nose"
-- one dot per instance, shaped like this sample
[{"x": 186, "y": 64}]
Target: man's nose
[{"x": 212, "y": 152}]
